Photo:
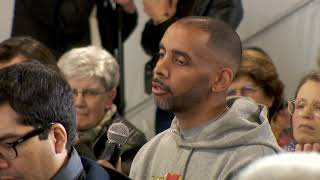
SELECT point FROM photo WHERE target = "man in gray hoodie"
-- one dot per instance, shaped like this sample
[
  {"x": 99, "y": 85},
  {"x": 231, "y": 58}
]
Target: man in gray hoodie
[{"x": 210, "y": 137}]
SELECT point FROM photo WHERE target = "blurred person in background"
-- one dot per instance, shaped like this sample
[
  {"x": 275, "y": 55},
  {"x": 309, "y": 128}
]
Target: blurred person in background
[
  {"x": 305, "y": 110},
  {"x": 258, "y": 79},
  {"x": 19, "y": 49},
  {"x": 284, "y": 166},
  {"x": 93, "y": 74}
]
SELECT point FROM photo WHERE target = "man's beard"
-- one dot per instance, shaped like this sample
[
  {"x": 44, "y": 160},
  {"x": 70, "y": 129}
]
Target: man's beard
[{"x": 179, "y": 103}]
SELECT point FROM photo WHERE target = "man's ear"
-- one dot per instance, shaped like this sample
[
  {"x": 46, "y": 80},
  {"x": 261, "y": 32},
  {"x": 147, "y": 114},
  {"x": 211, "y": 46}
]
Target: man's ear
[
  {"x": 223, "y": 80},
  {"x": 59, "y": 135}
]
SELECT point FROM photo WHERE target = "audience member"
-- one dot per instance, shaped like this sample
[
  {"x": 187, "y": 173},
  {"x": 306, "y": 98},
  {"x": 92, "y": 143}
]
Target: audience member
[
  {"x": 163, "y": 13},
  {"x": 63, "y": 25},
  {"x": 305, "y": 110},
  {"x": 38, "y": 126},
  {"x": 255, "y": 52},
  {"x": 18, "y": 49},
  {"x": 284, "y": 166},
  {"x": 93, "y": 74},
  {"x": 210, "y": 137},
  {"x": 258, "y": 79}
]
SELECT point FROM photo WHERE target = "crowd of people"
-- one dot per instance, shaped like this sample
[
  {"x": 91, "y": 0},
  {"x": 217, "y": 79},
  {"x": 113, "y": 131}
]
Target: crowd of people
[{"x": 222, "y": 112}]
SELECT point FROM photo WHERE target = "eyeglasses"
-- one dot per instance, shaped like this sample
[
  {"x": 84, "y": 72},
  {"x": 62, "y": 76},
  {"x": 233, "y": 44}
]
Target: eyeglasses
[
  {"x": 8, "y": 151},
  {"x": 244, "y": 91},
  {"x": 87, "y": 93},
  {"x": 298, "y": 106}
]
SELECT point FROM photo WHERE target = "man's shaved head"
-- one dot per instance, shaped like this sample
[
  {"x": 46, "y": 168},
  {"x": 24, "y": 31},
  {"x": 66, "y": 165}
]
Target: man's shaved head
[{"x": 223, "y": 40}]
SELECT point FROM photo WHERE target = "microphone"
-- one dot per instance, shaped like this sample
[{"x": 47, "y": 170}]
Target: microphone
[{"x": 118, "y": 134}]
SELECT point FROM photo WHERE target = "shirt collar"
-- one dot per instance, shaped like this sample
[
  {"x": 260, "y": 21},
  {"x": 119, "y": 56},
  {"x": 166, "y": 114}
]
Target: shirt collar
[{"x": 72, "y": 169}]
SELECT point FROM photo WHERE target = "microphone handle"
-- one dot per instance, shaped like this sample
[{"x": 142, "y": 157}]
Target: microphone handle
[{"x": 113, "y": 153}]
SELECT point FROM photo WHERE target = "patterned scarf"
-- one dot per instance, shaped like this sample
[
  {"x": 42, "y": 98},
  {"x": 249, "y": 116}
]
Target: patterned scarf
[{"x": 91, "y": 136}]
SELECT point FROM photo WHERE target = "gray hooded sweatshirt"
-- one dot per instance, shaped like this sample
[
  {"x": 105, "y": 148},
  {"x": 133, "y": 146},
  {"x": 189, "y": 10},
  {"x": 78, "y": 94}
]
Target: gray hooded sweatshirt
[{"x": 216, "y": 150}]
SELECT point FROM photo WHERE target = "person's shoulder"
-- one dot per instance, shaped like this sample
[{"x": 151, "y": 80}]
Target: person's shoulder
[
  {"x": 156, "y": 142},
  {"x": 243, "y": 156},
  {"x": 145, "y": 156},
  {"x": 94, "y": 170}
]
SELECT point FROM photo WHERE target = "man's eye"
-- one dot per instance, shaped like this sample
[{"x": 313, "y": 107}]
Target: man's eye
[
  {"x": 180, "y": 61},
  {"x": 7, "y": 144},
  {"x": 316, "y": 107},
  {"x": 160, "y": 55}
]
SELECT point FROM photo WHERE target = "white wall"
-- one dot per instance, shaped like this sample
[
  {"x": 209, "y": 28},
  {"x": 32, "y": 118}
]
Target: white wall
[
  {"x": 6, "y": 12},
  {"x": 140, "y": 107},
  {"x": 289, "y": 31}
]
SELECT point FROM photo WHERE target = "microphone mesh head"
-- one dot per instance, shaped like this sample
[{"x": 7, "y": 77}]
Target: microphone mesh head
[{"x": 118, "y": 133}]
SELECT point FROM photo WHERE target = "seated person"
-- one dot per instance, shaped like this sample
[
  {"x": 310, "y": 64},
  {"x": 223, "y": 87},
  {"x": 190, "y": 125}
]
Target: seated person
[
  {"x": 19, "y": 49},
  {"x": 258, "y": 79},
  {"x": 305, "y": 110},
  {"x": 38, "y": 125},
  {"x": 93, "y": 74},
  {"x": 285, "y": 166}
]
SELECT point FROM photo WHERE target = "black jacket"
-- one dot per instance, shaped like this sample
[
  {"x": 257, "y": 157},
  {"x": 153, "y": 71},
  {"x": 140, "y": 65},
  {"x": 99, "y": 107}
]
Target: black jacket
[
  {"x": 96, "y": 171},
  {"x": 64, "y": 24},
  {"x": 230, "y": 11},
  {"x": 77, "y": 168}
]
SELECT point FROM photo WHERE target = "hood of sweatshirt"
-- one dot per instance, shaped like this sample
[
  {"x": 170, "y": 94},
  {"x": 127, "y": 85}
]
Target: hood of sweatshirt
[{"x": 243, "y": 123}]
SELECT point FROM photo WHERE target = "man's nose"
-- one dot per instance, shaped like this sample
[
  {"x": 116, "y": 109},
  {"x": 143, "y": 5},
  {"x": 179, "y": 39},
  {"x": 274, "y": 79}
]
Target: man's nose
[{"x": 161, "y": 70}]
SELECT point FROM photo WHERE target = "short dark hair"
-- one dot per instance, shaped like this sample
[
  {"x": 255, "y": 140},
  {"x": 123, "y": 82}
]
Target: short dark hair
[
  {"x": 28, "y": 48},
  {"x": 263, "y": 72},
  {"x": 311, "y": 76},
  {"x": 222, "y": 37},
  {"x": 40, "y": 96}
]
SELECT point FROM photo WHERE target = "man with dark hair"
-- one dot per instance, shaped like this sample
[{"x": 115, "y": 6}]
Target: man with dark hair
[
  {"x": 18, "y": 49},
  {"x": 210, "y": 137},
  {"x": 38, "y": 126}
]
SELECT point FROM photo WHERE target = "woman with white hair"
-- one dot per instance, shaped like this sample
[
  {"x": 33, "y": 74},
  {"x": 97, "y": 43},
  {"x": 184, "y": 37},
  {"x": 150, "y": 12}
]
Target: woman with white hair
[{"x": 93, "y": 75}]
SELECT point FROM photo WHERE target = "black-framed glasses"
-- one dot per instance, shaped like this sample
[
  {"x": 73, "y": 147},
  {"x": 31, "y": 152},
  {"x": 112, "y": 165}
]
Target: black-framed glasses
[
  {"x": 8, "y": 151},
  {"x": 244, "y": 90}
]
